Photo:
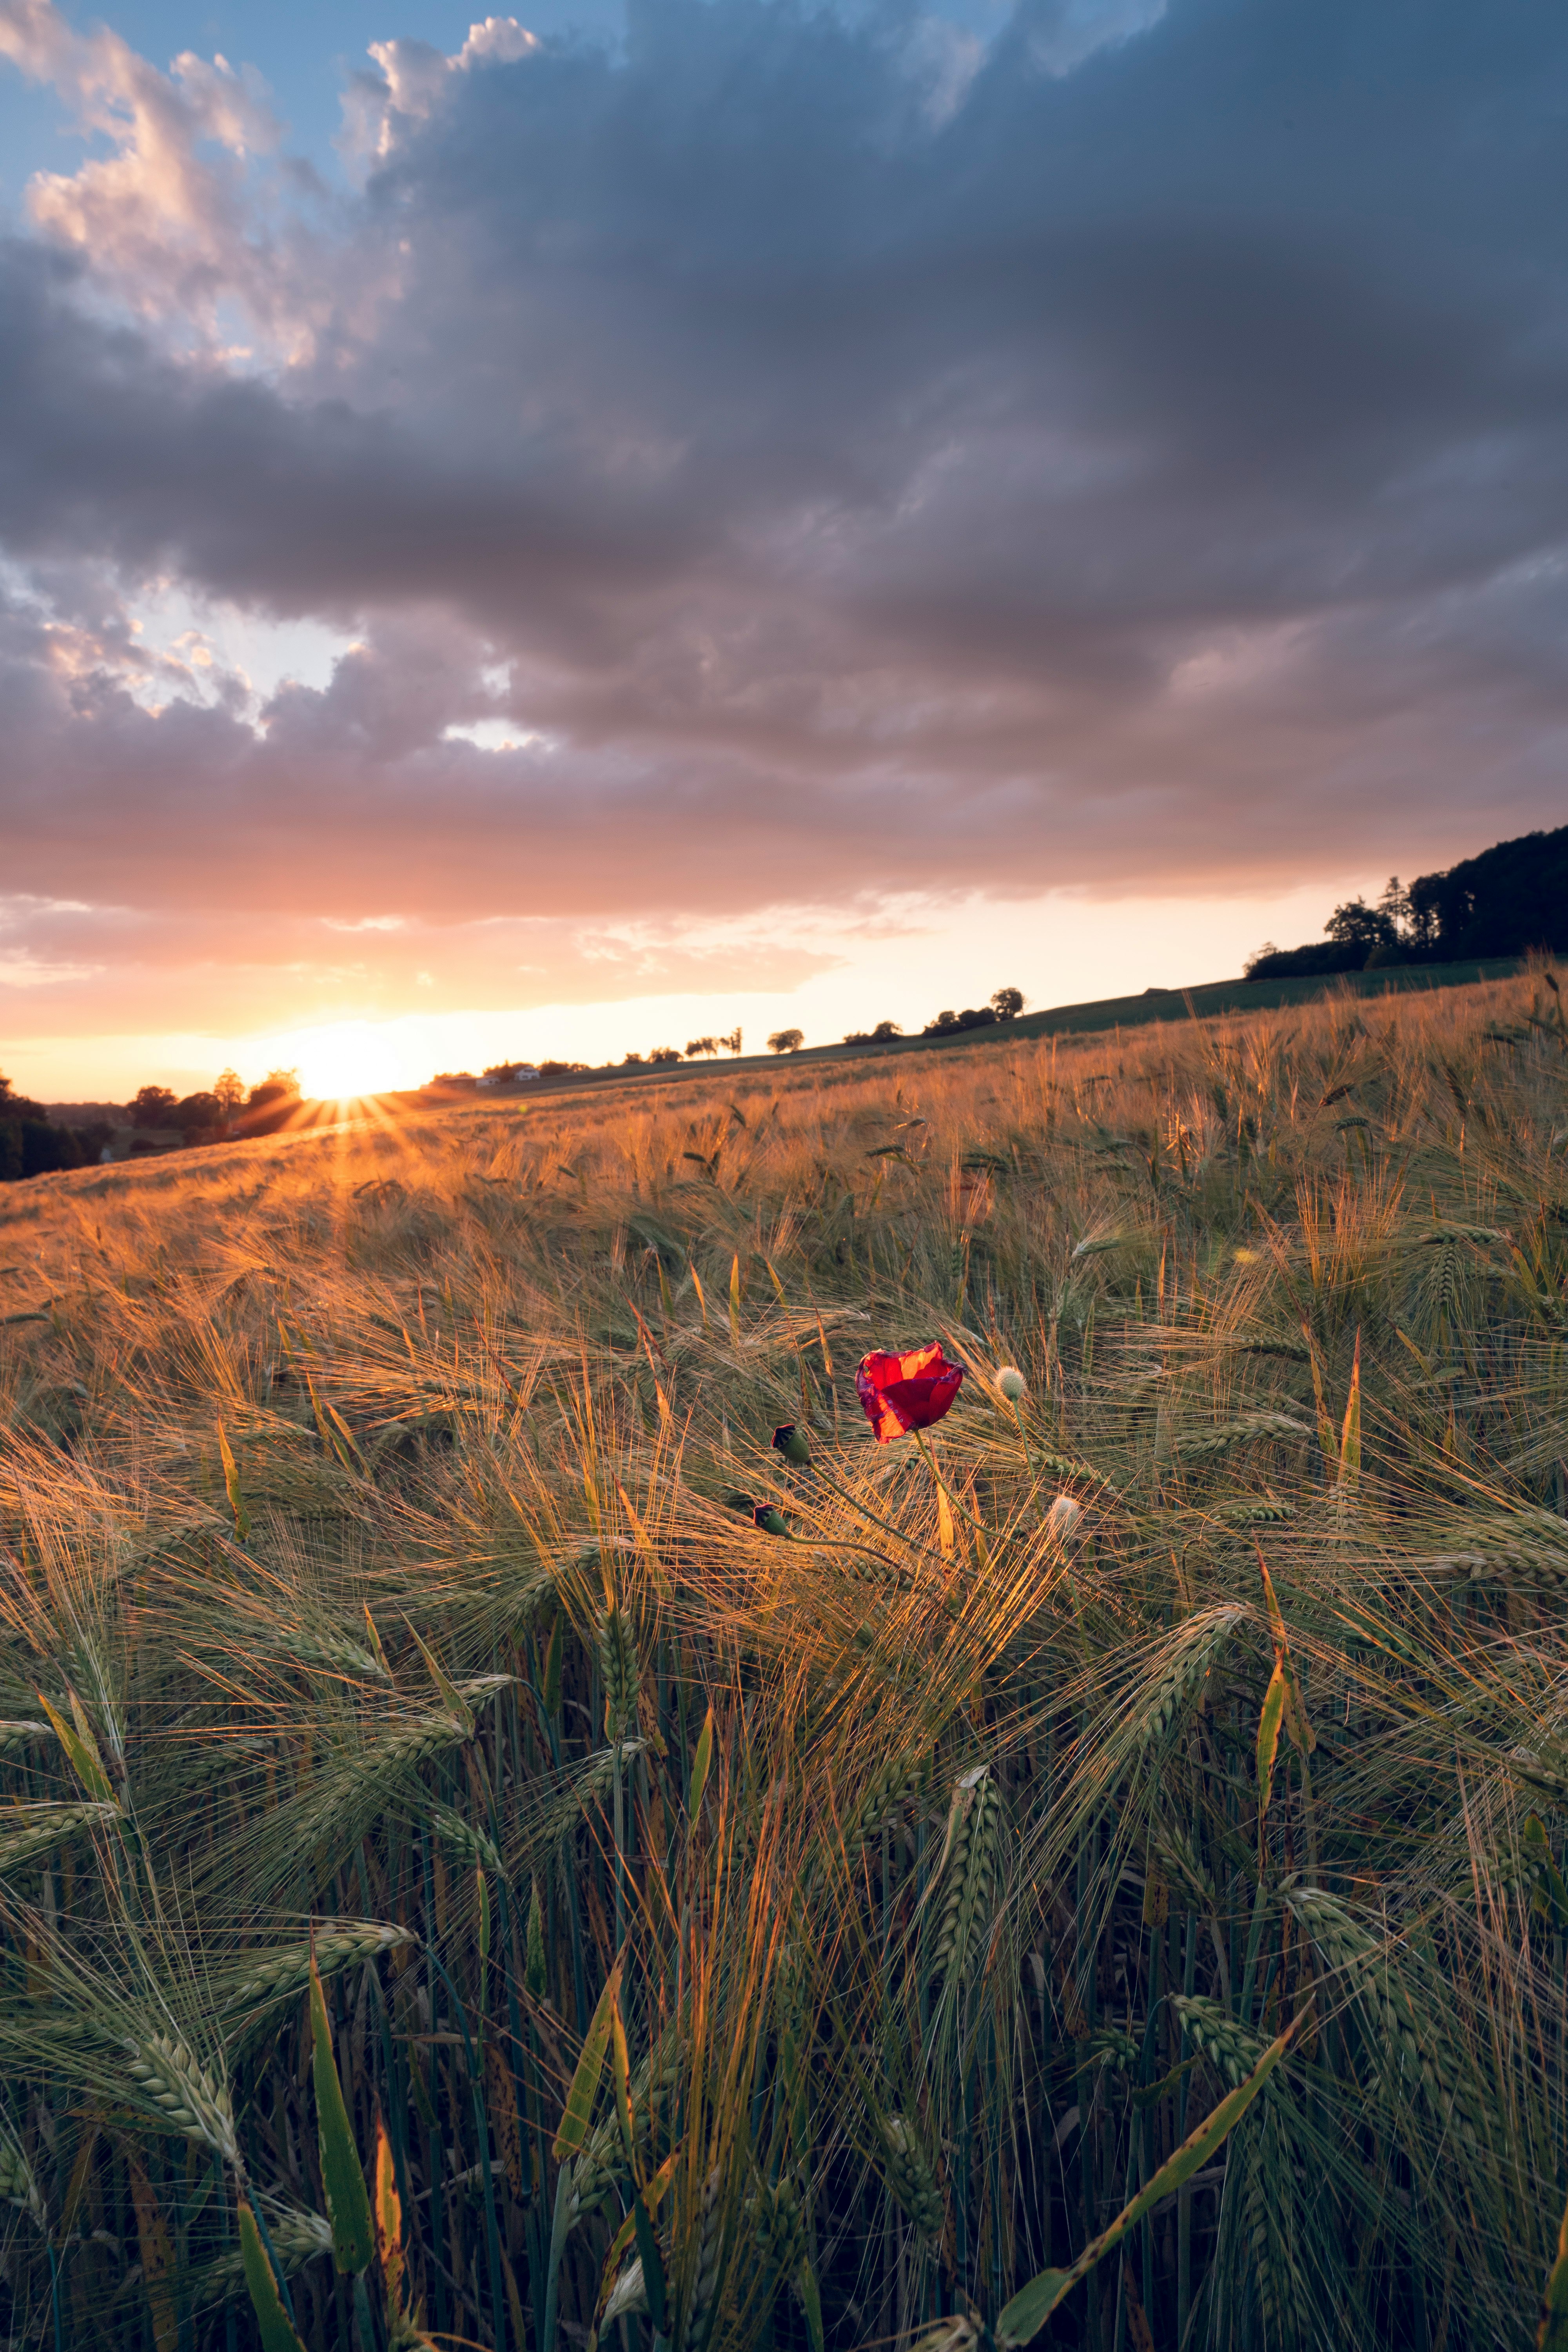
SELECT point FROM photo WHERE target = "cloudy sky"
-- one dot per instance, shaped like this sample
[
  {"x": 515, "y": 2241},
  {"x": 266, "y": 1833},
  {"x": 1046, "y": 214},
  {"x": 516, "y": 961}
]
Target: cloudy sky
[{"x": 555, "y": 534}]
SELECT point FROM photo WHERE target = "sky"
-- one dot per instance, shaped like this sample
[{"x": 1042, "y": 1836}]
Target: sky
[{"x": 559, "y": 534}]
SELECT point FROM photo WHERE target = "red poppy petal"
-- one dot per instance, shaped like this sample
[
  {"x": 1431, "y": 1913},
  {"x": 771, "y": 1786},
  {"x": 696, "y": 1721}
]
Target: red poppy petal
[{"x": 899, "y": 1393}]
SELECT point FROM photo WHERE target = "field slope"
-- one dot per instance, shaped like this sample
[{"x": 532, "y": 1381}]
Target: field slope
[{"x": 803, "y": 1933}]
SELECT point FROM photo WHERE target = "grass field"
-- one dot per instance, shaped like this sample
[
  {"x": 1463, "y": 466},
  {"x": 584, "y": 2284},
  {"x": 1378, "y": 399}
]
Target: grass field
[{"x": 893, "y": 1894}]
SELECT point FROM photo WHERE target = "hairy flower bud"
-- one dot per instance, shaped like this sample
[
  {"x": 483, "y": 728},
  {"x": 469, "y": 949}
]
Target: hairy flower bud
[
  {"x": 1011, "y": 1383},
  {"x": 1062, "y": 1519}
]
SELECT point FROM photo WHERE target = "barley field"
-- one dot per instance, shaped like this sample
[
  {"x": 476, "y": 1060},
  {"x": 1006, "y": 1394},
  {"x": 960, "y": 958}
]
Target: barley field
[{"x": 1092, "y": 1873}]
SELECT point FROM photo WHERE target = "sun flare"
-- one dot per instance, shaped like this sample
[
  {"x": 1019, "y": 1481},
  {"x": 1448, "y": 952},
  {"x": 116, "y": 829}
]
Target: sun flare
[{"x": 344, "y": 1061}]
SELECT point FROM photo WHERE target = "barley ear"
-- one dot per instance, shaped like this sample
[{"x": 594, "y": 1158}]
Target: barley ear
[{"x": 1027, "y": 2313}]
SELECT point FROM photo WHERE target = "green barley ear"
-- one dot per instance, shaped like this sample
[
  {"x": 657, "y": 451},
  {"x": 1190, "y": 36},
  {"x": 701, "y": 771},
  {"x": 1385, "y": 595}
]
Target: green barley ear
[
  {"x": 553, "y": 1659},
  {"x": 339, "y": 1944},
  {"x": 348, "y": 2201},
  {"x": 911, "y": 2179},
  {"x": 620, "y": 1666},
  {"x": 535, "y": 1974},
  {"x": 183, "y": 2094},
  {"x": 971, "y": 1868},
  {"x": 1179, "y": 1865},
  {"x": 28, "y": 1831},
  {"x": 705, "y": 2288},
  {"x": 296, "y": 2238},
  {"x": 18, "y": 2186}
]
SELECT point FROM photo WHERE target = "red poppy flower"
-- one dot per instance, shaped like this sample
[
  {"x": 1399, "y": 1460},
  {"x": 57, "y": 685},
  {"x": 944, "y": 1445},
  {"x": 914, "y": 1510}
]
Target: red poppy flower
[{"x": 898, "y": 1393}]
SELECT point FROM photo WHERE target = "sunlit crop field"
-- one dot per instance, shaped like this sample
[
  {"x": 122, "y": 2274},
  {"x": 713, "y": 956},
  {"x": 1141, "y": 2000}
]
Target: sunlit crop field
[{"x": 894, "y": 1892}]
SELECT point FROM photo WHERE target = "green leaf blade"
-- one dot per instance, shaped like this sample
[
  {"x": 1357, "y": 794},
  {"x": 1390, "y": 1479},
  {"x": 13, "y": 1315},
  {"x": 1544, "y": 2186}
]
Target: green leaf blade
[
  {"x": 579, "y": 2108},
  {"x": 348, "y": 2199},
  {"x": 277, "y": 2333}
]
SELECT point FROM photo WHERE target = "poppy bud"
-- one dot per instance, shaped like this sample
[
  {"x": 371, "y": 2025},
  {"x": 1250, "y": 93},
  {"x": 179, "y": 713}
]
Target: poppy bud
[
  {"x": 1011, "y": 1383},
  {"x": 789, "y": 1440},
  {"x": 1062, "y": 1519},
  {"x": 769, "y": 1520}
]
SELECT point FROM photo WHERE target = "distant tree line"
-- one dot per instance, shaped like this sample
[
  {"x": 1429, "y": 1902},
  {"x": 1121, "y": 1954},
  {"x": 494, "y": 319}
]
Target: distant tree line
[
  {"x": 29, "y": 1144},
  {"x": 1505, "y": 901},
  {"x": 33, "y": 1143},
  {"x": 1005, "y": 1004}
]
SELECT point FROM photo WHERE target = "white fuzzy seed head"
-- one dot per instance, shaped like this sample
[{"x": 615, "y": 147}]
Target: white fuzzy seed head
[
  {"x": 1011, "y": 1383},
  {"x": 1062, "y": 1519}
]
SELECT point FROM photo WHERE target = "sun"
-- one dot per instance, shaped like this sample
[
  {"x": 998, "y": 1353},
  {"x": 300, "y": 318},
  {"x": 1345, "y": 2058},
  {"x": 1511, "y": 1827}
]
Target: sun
[{"x": 344, "y": 1060}]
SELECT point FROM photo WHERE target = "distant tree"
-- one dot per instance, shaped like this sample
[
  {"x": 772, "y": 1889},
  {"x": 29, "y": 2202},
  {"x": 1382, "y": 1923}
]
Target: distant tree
[
  {"x": 1425, "y": 899},
  {"x": 731, "y": 1043},
  {"x": 150, "y": 1107},
  {"x": 884, "y": 1030},
  {"x": 787, "y": 1041},
  {"x": 1393, "y": 900},
  {"x": 662, "y": 1053},
  {"x": 14, "y": 1105},
  {"x": 708, "y": 1046},
  {"x": 629, "y": 1061},
  {"x": 229, "y": 1092},
  {"x": 948, "y": 1024},
  {"x": 1007, "y": 1003},
  {"x": 1357, "y": 924},
  {"x": 36, "y": 1148},
  {"x": 1502, "y": 902},
  {"x": 199, "y": 1116},
  {"x": 561, "y": 1069},
  {"x": 283, "y": 1085}
]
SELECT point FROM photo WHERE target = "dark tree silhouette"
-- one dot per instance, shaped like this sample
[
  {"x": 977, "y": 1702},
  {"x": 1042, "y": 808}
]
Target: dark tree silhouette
[{"x": 153, "y": 1106}]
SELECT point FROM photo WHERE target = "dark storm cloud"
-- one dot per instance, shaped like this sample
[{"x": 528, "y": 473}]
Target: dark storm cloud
[{"x": 879, "y": 465}]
